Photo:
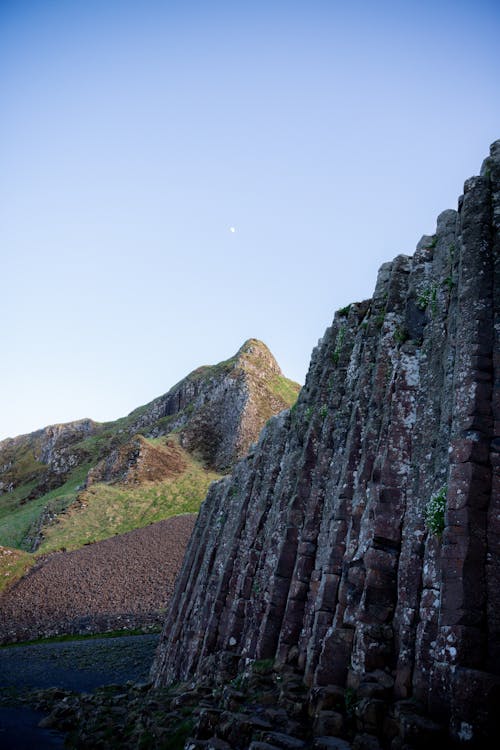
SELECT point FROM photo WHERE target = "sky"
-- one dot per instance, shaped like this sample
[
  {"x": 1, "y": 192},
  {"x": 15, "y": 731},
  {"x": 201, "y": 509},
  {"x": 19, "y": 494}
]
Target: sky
[{"x": 134, "y": 136}]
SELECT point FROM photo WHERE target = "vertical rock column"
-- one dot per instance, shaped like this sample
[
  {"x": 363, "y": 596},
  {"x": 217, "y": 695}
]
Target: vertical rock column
[
  {"x": 461, "y": 675},
  {"x": 316, "y": 552}
]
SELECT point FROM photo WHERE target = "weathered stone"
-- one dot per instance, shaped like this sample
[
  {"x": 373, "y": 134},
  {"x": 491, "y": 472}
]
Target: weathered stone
[
  {"x": 365, "y": 742},
  {"x": 419, "y": 731},
  {"x": 328, "y": 698},
  {"x": 350, "y": 571},
  {"x": 370, "y": 713},
  {"x": 284, "y": 741},
  {"x": 328, "y": 722},
  {"x": 331, "y": 743},
  {"x": 215, "y": 743},
  {"x": 258, "y": 722},
  {"x": 208, "y": 719}
]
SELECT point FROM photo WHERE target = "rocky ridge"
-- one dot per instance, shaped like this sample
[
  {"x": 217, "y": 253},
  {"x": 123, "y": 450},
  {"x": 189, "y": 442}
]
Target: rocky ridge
[
  {"x": 358, "y": 543},
  {"x": 215, "y": 413}
]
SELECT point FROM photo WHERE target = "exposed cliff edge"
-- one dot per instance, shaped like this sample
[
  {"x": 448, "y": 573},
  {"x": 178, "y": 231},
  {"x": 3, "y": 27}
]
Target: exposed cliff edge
[{"x": 316, "y": 553}]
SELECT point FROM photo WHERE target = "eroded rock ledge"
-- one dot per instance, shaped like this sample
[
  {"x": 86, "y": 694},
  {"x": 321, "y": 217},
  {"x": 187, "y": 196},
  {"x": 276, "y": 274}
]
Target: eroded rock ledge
[{"x": 315, "y": 553}]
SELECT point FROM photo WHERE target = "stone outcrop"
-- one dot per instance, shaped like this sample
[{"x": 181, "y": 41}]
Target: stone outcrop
[
  {"x": 318, "y": 552},
  {"x": 217, "y": 410},
  {"x": 214, "y": 413},
  {"x": 220, "y": 410},
  {"x": 138, "y": 461},
  {"x": 43, "y": 459}
]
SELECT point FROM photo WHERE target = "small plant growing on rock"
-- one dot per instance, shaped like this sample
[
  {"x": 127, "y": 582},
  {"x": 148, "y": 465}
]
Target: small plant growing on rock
[
  {"x": 434, "y": 511},
  {"x": 263, "y": 666},
  {"x": 448, "y": 282},
  {"x": 344, "y": 311},
  {"x": 428, "y": 297},
  {"x": 237, "y": 682},
  {"x": 401, "y": 335},
  {"x": 323, "y": 411},
  {"x": 350, "y": 701}
]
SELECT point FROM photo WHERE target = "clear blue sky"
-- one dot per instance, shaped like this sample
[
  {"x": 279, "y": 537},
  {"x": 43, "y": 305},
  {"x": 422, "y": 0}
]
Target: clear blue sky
[{"x": 133, "y": 135}]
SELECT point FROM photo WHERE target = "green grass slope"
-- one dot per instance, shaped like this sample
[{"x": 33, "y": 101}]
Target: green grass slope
[{"x": 104, "y": 510}]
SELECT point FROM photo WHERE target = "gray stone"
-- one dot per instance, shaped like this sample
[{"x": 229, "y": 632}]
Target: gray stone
[
  {"x": 328, "y": 722},
  {"x": 284, "y": 741},
  {"x": 365, "y": 742},
  {"x": 331, "y": 743}
]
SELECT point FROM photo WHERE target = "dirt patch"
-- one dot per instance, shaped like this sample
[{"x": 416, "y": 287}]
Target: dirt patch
[
  {"x": 125, "y": 581},
  {"x": 139, "y": 461}
]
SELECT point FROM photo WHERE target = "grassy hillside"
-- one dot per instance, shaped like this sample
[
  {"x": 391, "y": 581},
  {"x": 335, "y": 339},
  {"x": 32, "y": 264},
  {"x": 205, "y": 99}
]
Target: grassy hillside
[
  {"x": 18, "y": 519},
  {"x": 104, "y": 510}
]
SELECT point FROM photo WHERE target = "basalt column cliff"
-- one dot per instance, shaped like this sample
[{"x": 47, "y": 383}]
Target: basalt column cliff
[{"x": 320, "y": 550}]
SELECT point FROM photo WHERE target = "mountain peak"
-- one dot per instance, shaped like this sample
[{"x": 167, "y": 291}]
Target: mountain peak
[{"x": 255, "y": 352}]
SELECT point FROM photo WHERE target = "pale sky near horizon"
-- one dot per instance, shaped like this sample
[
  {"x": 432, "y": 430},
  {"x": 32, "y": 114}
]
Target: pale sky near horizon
[{"x": 134, "y": 136}]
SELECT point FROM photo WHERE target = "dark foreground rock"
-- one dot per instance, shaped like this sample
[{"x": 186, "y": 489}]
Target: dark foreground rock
[
  {"x": 361, "y": 536},
  {"x": 263, "y": 709}
]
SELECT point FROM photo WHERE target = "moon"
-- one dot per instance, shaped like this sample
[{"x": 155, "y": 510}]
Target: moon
[{"x": 232, "y": 230}]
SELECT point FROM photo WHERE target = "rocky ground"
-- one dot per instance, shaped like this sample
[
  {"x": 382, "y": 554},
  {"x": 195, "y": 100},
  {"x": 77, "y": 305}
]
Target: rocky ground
[
  {"x": 122, "y": 582},
  {"x": 263, "y": 709},
  {"x": 95, "y": 695}
]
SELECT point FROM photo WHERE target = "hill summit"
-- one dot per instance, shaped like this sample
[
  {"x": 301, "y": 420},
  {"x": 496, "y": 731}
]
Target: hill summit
[{"x": 212, "y": 416}]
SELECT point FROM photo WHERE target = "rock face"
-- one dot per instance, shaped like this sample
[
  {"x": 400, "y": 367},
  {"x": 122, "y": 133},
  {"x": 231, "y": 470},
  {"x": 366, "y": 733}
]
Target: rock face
[
  {"x": 43, "y": 459},
  {"x": 138, "y": 461},
  {"x": 318, "y": 551},
  {"x": 220, "y": 410}
]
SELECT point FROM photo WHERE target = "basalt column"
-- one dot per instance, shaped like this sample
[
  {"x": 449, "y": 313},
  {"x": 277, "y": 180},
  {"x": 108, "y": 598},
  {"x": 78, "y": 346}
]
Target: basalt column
[{"x": 318, "y": 551}]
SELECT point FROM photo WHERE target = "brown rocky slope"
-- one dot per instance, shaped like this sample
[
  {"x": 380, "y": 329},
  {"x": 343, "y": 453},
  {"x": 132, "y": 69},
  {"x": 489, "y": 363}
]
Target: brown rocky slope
[
  {"x": 122, "y": 582},
  {"x": 327, "y": 551}
]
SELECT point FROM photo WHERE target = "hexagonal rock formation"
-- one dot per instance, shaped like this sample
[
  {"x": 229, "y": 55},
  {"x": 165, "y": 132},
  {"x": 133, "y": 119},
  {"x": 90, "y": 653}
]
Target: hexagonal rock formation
[{"x": 316, "y": 552}]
